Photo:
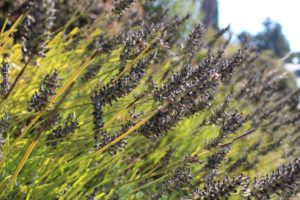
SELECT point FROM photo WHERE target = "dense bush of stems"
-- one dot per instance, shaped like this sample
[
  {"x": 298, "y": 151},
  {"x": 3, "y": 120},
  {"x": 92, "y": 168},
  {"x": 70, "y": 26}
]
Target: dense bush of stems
[{"x": 120, "y": 105}]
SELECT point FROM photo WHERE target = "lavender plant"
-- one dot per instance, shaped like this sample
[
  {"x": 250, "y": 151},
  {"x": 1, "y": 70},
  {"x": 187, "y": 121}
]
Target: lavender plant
[{"x": 159, "y": 115}]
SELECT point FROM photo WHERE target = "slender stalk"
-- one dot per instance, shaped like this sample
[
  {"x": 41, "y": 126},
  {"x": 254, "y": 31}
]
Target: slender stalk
[{"x": 33, "y": 144}]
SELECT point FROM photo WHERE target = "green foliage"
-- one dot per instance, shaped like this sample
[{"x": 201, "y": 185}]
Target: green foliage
[{"x": 119, "y": 109}]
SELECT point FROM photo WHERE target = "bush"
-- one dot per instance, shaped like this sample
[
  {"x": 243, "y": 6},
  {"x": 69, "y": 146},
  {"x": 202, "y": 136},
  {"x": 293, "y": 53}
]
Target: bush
[{"x": 113, "y": 108}]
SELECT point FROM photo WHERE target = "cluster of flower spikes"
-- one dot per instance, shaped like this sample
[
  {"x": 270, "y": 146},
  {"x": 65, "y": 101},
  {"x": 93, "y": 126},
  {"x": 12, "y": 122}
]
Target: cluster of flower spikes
[
  {"x": 260, "y": 82},
  {"x": 41, "y": 98},
  {"x": 275, "y": 108},
  {"x": 207, "y": 73},
  {"x": 111, "y": 92},
  {"x": 194, "y": 42},
  {"x": 37, "y": 28},
  {"x": 219, "y": 189},
  {"x": 166, "y": 118},
  {"x": 270, "y": 114},
  {"x": 227, "y": 66},
  {"x": 272, "y": 100},
  {"x": 272, "y": 83},
  {"x": 189, "y": 91},
  {"x": 125, "y": 84},
  {"x": 134, "y": 41},
  {"x": 101, "y": 137},
  {"x": 282, "y": 180}
]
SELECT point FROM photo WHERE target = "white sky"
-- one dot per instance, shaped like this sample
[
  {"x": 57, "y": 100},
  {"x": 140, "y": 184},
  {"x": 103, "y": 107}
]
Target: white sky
[{"x": 249, "y": 14}]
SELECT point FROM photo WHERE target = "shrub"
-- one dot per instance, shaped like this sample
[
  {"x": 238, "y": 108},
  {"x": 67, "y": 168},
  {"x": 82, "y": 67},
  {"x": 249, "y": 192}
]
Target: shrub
[{"x": 112, "y": 108}]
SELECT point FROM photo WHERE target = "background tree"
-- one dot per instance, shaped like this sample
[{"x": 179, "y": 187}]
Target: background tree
[
  {"x": 211, "y": 13},
  {"x": 271, "y": 38}
]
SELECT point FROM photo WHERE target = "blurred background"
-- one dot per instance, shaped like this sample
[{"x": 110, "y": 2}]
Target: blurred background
[{"x": 268, "y": 25}]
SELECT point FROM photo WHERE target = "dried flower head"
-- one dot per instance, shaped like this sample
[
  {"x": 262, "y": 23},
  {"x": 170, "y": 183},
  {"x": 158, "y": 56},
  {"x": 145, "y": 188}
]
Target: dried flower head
[
  {"x": 219, "y": 189},
  {"x": 4, "y": 85},
  {"x": 47, "y": 90},
  {"x": 230, "y": 124},
  {"x": 71, "y": 124},
  {"x": 181, "y": 176},
  {"x": 37, "y": 28},
  {"x": 124, "y": 85},
  {"x": 282, "y": 180},
  {"x": 227, "y": 67},
  {"x": 135, "y": 41},
  {"x": 97, "y": 115},
  {"x": 219, "y": 113},
  {"x": 168, "y": 118},
  {"x": 194, "y": 41}
]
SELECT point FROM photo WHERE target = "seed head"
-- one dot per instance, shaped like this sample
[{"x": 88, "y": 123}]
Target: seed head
[
  {"x": 4, "y": 85},
  {"x": 219, "y": 189},
  {"x": 37, "y": 28},
  {"x": 71, "y": 124},
  {"x": 283, "y": 179},
  {"x": 47, "y": 90}
]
